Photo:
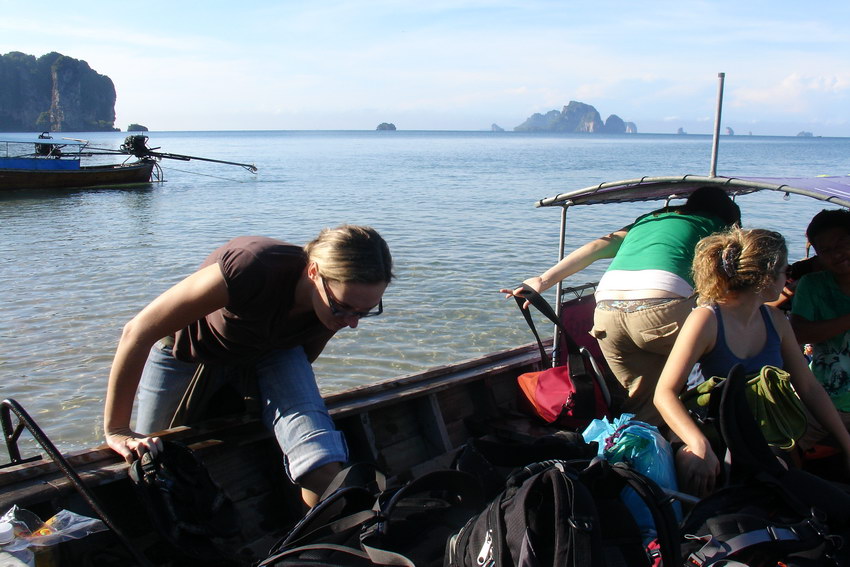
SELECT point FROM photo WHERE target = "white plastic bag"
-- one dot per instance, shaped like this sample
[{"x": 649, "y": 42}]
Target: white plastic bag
[{"x": 30, "y": 531}]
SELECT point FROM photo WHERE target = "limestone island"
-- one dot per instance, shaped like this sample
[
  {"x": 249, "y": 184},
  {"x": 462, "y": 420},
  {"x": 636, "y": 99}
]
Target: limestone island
[
  {"x": 576, "y": 117},
  {"x": 386, "y": 126},
  {"x": 54, "y": 93},
  {"x": 137, "y": 128}
]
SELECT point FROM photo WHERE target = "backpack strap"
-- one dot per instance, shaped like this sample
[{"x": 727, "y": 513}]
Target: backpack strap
[
  {"x": 579, "y": 512},
  {"x": 380, "y": 556},
  {"x": 521, "y": 474},
  {"x": 325, "y": 516},
  {"x": 758, "y": 531},
  {"x": 270, "y": 561},
  {"x": 749, "y": 451},
  {"x": 543, "y": 306},
  {"x": 366, "y": 475},
  {"x": 450, "y": 490},
  {"x": 461, "y": 486},
  {"x": 660, "y": 506}
]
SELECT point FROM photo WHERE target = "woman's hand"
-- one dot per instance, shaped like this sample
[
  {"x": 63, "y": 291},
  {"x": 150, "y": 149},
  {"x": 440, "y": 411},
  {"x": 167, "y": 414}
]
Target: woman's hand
[
  {"x": 132, "y": 445},
  {"x": 698, "y": 469},
  {"x": 535, "y": 283}
]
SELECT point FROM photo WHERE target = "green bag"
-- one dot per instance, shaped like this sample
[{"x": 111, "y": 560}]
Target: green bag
[{"x": 775, "y": 405}]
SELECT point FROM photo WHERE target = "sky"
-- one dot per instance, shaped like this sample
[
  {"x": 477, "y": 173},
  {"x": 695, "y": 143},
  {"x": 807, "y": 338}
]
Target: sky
[{"x": 456, "y": 64}]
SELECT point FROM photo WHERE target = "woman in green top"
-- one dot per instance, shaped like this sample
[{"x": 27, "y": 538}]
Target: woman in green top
[{"x": 647, "y": 292}]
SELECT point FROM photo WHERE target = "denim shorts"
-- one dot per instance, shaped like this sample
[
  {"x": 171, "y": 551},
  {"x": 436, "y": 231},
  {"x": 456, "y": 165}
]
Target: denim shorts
[{"x": 292, "y": 406}]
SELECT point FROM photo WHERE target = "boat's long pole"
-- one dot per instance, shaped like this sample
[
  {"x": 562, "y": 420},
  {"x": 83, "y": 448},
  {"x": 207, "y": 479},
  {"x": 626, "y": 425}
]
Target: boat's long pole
[
  {"x": 556, "y": 335},
  {"x": 249, "y": 166},
  {"x": 713, "y": 171}
]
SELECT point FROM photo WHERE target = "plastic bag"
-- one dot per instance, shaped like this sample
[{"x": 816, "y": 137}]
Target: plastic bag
[
  {"x": 644, "y": 449},
  {"x": 30, "y": 531}
]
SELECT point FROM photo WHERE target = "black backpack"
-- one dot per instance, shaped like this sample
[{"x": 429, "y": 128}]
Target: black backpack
[
  {"x": 492, "y": 461},
  {"x": 363, "y": 526},
  {"x": 551, "y": 514},
  {"x": 189, "y": 510},
  {"x": 765, "y": 514}
]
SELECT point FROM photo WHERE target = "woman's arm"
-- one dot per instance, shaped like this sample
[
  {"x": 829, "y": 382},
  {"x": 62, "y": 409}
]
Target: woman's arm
[
  {"x": 199, "y": 294},
  {"x": 811, "y": 392},
  {"x": 577, "y": 260},
  {"x": 696, "y": 337},
  {"x": 818, "y": 331}
]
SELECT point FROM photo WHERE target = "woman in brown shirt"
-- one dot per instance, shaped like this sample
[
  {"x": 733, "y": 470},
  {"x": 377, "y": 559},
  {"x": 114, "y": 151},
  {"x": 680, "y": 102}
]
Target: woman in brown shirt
[{"x": 260, "y": 303}]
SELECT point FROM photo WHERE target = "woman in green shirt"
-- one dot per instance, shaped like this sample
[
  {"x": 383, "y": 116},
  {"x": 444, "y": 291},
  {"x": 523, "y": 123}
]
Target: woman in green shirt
[{"x": 647, "y": 292}]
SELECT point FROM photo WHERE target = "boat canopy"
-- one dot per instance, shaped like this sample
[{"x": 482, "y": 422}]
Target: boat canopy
[
  {"x": 47, "y": 141},
  {"x": 832, "y": 189}
]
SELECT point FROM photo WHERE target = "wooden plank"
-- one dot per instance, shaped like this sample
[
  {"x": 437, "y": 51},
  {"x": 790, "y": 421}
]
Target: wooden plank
[
  {"x": 390, "y": 392},
  {"x": 433, "y": 425}
]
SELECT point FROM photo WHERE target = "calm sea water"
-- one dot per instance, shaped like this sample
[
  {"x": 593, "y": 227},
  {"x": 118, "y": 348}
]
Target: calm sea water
[{"x": 457, "y": 209}]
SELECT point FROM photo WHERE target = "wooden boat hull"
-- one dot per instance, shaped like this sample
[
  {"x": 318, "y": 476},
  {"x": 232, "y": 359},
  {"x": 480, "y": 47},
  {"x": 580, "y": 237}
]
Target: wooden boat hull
[
  {"x": 406, "y": 426},
  {"x": 86, "y": 176}
]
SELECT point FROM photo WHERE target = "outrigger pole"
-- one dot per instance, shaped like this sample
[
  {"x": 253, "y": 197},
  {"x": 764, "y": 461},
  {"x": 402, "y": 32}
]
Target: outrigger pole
[
  {"x": 137, "y": 146},
  {"x": 713, "y": 171}
]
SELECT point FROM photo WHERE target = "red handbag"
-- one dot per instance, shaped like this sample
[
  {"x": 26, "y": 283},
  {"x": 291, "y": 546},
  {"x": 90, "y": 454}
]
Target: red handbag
[{"x": 572, "y": 394}]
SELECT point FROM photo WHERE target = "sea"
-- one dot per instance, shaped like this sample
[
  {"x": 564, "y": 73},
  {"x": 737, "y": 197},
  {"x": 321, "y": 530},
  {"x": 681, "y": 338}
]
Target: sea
[{"x": 457, "y": 209}]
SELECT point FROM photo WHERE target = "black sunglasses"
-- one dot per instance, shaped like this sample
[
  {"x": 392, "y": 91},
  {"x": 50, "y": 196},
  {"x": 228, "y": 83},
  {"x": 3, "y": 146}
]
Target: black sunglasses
[{"x": 339, "y": 309}]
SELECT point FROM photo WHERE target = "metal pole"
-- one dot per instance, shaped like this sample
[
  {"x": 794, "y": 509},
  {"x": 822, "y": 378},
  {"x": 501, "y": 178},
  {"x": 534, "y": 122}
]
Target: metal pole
[
  {"x": 556, "y": 355},
  {"x": 713, "y": 171},
  {"x": 9, "y": 406}
]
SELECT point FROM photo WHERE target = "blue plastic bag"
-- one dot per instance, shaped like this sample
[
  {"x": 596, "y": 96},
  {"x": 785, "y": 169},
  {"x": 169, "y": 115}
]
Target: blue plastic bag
[{"x": 644, "y": 449}]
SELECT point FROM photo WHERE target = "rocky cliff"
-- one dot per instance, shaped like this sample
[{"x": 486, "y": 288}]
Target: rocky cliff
[
  {"x": 576, "y": 117},
  {"x": 53, "y": 92}
]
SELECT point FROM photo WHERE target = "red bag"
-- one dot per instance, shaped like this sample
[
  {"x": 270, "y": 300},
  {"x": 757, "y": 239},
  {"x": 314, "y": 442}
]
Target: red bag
[{"x": 572, "y": 394}]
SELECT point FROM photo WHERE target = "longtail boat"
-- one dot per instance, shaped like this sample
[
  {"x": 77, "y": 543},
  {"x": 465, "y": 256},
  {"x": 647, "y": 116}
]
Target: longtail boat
[{"x": 48, "y": 163}]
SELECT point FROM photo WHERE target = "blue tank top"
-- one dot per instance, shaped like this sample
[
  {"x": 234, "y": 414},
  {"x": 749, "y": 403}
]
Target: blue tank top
[{"x": 720, "y": 360}]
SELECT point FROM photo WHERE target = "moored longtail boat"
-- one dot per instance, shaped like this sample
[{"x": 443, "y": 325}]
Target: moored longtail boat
[{"x": 48, "y": 163}]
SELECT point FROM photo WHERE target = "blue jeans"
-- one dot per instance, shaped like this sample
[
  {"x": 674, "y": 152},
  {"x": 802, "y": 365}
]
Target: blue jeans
[{"x": 293, "y": 407}]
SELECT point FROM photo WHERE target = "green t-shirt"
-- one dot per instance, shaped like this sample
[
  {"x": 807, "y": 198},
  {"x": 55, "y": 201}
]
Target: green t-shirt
[
  {"x": 664, "y": 241},
  {"x": 818, "y": 298}
]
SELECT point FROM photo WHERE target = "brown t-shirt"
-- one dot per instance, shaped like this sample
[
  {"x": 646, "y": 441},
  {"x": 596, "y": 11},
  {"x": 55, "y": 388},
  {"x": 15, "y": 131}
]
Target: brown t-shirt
[{"x": 261, "y": 274}]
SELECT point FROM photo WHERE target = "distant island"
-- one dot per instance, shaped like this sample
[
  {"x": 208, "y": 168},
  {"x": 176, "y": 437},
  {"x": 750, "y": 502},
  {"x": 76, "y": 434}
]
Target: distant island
[
  {"x": 55, "y": 93},
  {"x": 386, "y": 126},
  {"x": 137, "y": 128},
  {"x": 805, "y": 134},
  {"x": 576, "y": 117}
]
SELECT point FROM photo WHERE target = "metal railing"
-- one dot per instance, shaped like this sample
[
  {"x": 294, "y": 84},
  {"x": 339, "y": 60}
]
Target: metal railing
[{"x": 11, "y": 435}]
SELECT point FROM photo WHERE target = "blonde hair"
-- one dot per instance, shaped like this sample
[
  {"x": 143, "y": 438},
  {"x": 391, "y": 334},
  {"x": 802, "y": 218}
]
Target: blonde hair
[
  {"x": 351, "y": 253},
  {"x": 737, "y": 260}
]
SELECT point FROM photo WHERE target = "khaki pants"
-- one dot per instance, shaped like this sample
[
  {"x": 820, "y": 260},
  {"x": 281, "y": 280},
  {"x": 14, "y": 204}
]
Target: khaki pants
[{"x": 636, "y": 345}]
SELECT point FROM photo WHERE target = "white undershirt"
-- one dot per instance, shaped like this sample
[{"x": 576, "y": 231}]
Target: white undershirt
[{"x": 641, "y": 284}]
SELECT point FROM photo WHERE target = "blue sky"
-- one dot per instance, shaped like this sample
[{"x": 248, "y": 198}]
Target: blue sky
[{"x": 454, "y": 65}]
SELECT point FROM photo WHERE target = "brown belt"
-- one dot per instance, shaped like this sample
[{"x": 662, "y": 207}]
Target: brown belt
[{"x": 632, "y": 305}]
